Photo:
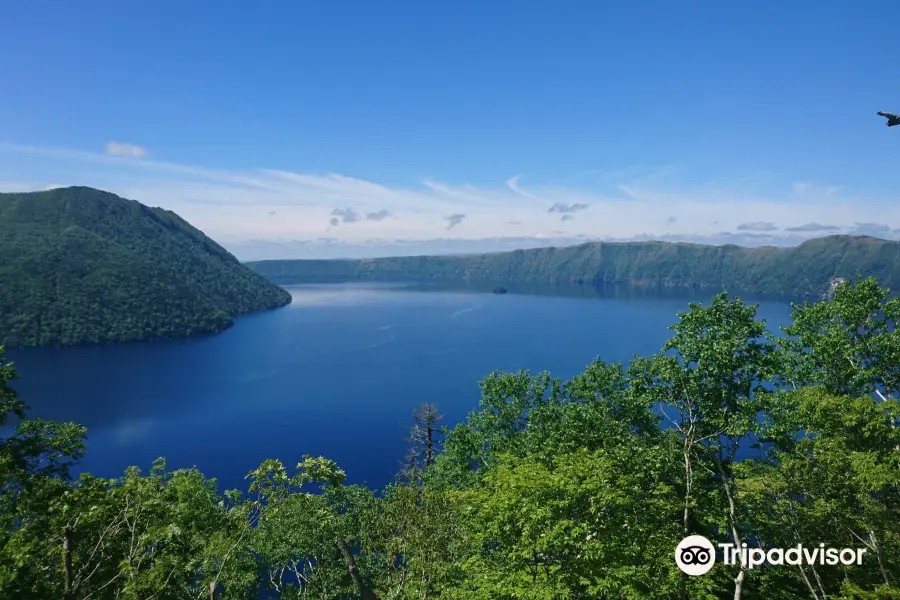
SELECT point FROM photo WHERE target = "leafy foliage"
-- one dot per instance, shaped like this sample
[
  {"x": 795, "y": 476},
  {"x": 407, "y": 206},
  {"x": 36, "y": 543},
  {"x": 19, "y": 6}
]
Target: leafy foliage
[
  {"x": 85, "y": 266},
  {"x": 549, "y": 489}
]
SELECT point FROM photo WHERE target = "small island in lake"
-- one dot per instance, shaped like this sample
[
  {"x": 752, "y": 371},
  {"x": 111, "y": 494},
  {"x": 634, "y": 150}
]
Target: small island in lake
[{"x": 499, "y": 290}]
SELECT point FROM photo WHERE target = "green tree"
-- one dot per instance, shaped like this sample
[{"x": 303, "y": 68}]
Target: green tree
[
  {"x": 510, "y": 403},
  {"x": 833, "y": 475},
  {"x": 34, "y": 469},
  {"x": 849, "y": 344},
  {"x": 597, "y": 524},
  {"x": 710, "y": 374},
  {"x": 311, "y": 536}
]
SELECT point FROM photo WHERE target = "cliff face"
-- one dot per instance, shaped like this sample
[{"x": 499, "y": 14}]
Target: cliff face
[
  {"x": 807, "y": 269},
  {"x": 81, "y": 265}
]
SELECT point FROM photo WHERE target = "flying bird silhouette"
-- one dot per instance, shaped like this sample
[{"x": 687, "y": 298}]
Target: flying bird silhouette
[{"x": 892, "y": 119}]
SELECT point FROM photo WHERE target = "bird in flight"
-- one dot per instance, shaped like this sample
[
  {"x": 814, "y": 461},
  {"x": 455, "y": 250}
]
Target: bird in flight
[{"x": 892, "y": 119}]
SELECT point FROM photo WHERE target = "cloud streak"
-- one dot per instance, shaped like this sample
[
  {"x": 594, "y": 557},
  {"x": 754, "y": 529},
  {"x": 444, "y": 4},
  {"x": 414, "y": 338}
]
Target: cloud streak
[
  {"x": 874, "y": 229},
  {"x": 811, "y": 227},
  {"x": 114, "y": 148},
  {"x": 234, "y": 206}
]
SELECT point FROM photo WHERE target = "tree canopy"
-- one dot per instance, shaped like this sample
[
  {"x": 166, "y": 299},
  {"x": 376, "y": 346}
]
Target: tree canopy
[{"x": 85, "y": 266}]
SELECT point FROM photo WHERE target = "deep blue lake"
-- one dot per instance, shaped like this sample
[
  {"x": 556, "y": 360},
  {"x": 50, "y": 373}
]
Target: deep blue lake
[{"x": 336, "y": 373}]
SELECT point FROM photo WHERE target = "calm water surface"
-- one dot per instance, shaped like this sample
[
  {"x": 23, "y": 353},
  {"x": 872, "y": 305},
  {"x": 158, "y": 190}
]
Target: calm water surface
[{"x": 336, "y": 373}]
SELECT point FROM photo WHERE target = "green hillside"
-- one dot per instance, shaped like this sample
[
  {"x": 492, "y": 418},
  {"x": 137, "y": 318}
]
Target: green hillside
[
  {"x": 81, "y": 265},
  {"x": 802, "y": 270}
]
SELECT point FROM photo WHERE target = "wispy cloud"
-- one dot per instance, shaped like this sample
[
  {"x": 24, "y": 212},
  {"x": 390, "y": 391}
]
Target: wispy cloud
[
  {"x": 813, "y": 227},
  {"x": 513, "y": 184},
  {"x": 637, "y": 203},
  {"x": 114, "y": 148},
  {"x": 757, "y": 226},
  {"x": 13, "y": 187},
  {"x": 118, "y": 165},
  {"x": 874, "y": 229},
  {"x": 807, "y": 189}
]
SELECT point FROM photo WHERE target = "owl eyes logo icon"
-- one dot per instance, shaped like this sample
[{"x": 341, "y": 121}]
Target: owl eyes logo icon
[{"x": 695, "y": 555}]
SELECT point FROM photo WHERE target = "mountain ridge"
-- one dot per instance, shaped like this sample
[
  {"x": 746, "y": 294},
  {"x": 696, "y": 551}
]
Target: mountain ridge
[{"x": 806, "y": 269}]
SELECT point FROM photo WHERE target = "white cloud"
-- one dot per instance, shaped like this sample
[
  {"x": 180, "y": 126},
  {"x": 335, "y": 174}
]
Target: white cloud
[
  {"x": 28, "y": 186},
  {"x": 629, "y": 203},
  {"x": 808, "y": 189},
  {"x": 874, "y": 229},
  {"x": 513, "y": 184},
  {"x": 757, "y": 226},
  {"x": 114, "y": 148},
  {"x": 813, "y": 227}
]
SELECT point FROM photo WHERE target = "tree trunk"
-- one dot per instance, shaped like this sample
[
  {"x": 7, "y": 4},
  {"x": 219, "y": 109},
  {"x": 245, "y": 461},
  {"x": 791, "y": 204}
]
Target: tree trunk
[
  {"x": 812, "y": 590},
  {"x": 688, "y": 485},
  {"x": 429, "y": 447},
  {"x": 742, "y": 575},
  {"x": 877, "y": 548},
  {"x": 67, "y": 549},
  {"x": 818, "y": 580},
  {"x": 364, "y": 592}
]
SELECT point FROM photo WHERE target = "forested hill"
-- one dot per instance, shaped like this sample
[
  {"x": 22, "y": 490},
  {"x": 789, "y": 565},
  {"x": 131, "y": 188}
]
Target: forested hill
[
  {"x": 81, "y": 265},
  {"x": 802, "y": 270}
]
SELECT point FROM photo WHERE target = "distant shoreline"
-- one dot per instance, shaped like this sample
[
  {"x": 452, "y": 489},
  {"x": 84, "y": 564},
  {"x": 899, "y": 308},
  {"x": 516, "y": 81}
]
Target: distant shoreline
[{"x": 804, "y": 271}]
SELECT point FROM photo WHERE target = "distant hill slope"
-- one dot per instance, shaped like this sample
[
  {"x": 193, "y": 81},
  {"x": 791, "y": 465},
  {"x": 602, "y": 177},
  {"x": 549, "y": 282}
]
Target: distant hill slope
[
  {"x": 803, "y": 270},
  {"x": 79, "y": 265}
]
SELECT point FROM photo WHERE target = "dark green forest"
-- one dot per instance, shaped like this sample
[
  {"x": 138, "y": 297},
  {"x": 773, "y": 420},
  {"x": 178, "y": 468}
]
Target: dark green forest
[
  {"x": 549, "y": 489},
  {"x": 804, "y": 270},
  {"x": 81, "y": 265}
]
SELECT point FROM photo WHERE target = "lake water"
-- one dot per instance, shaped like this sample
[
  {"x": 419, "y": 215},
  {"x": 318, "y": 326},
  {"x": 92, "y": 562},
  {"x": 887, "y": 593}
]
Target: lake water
[{"x": 336, "y": 373}]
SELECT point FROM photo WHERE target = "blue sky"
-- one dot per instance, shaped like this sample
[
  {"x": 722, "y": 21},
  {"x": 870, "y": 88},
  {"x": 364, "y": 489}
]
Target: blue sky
[{"x": 358, "y": 128}]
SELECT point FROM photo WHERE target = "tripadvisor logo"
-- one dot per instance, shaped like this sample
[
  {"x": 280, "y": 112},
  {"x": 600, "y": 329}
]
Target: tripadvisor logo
[{"x": 695, "y": 555}]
